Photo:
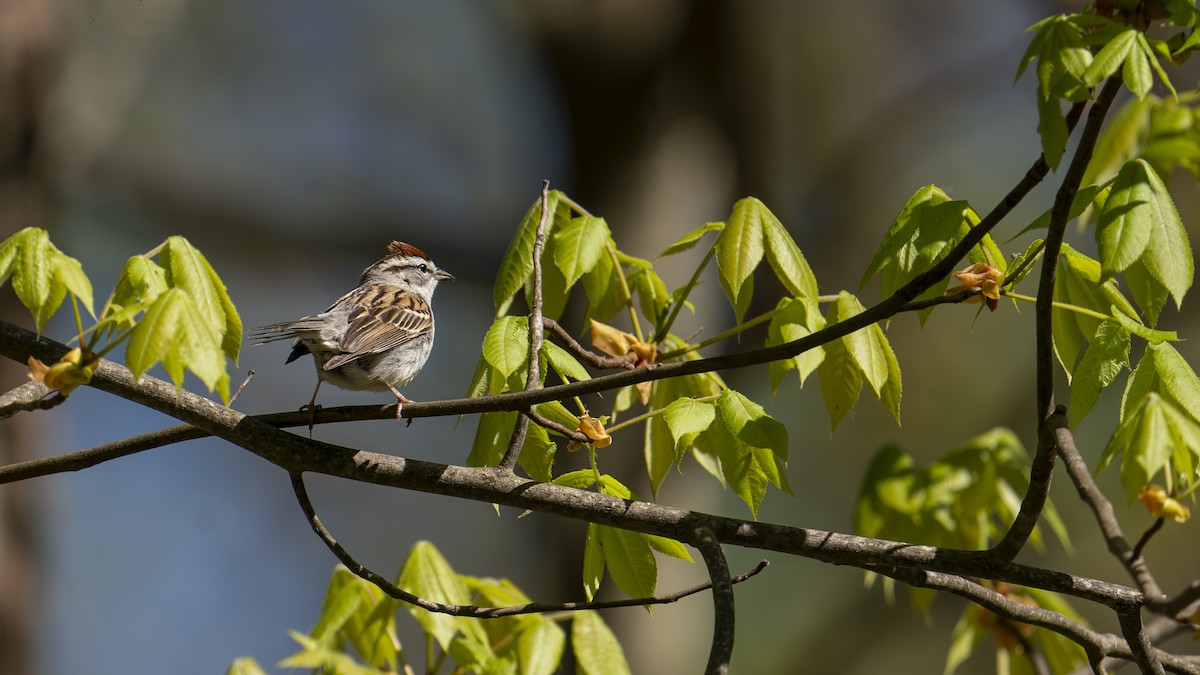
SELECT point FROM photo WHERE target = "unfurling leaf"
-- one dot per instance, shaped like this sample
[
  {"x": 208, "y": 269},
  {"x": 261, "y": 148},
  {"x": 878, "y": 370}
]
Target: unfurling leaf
[
  {"x": 66, "y": 374},
  {"x": 594, "y": 430},
  {"x": 1162, "y": 505}
]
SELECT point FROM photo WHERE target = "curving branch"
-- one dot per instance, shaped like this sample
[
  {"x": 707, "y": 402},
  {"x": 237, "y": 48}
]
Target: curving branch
[
  {"x": 1047, "y": 414},
  {"x": 723, "y": 606},
  {"x": 27, "y": 397},
  {"x": 1106, "y": 518},
  {"x": 474, "y": 611}
]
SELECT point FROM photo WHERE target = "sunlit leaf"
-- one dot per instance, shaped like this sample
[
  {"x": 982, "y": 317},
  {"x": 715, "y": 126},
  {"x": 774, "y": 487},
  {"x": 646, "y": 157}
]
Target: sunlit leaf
[
  {"x": 506, "y": 344},
  {"x": 597, "y": 651},
  {"x": 428, "y": 575},
  {"x": 1107, "y": 354},
  {"x": 690, "y": 239},
  {"x": 739, "y": 250},
  {"x": 579, "y": 245}
]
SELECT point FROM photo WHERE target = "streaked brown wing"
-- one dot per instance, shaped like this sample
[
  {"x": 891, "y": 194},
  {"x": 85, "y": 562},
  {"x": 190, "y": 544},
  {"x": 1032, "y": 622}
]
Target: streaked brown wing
[{"x": 383, "y": 317}]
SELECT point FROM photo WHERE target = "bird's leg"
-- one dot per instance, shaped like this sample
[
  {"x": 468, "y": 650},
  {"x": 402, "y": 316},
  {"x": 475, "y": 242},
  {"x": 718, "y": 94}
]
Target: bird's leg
[
  {"x": 401, "y": 399},
  {"x": 312, "y": 408}
]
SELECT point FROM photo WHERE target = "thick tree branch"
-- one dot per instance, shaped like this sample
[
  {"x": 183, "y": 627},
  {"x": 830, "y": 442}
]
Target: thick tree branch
[
  {"x": 475, "y": 611},
  {"x": 1144, "y": 653},
  {"x": 1043, "y": 460},
  {"x": 28, "y": 396},
  {"x": 296, "y": 453}
]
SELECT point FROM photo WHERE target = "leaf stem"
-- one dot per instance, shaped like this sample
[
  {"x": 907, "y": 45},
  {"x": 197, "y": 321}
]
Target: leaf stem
[
  {"x": 1060, "y": 305},
  {"x": 687, "y": 290},
  {"x": 761, "y": 318},
  {"x": 654, "y": 413}
]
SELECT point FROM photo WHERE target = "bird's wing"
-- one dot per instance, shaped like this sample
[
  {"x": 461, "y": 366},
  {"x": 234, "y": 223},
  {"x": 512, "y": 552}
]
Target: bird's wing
[{"x": 382, "y": 317}]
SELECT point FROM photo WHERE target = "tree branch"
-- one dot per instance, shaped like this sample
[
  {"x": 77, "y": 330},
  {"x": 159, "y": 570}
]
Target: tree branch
[
  {"x": 28, "y": 396},
  {"x": 533, "y": 376},
  {"x": 1043, "y": 460},
  {"x": 488, "y": 485},
  {"x": 1097, "y": 645},
  {"x": 602, "y": 361},
  {"x": 1102, "y": 508},
  {"x": 475, "y": 611},
  {"x": 723, "y": 605}
]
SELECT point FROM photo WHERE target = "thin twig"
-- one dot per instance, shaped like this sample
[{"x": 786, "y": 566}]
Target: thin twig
[
  {"x": 1146, "y": 536},
  {"x": 1144, "y": 653},
  {"x": 721, "y": 651},
  {"x": 475, "y": 611},
  {"x": 584, "y": 354},
  {"x": 1042, "y": 468},
  {"x": 1106, "y": 517},
  {"x": 533, "y": 374},
  {"x": 543, "y": 421}
]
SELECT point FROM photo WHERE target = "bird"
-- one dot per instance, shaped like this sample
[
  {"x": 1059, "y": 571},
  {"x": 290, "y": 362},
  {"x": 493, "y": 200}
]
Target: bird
[{"x": 378, "y": 336}]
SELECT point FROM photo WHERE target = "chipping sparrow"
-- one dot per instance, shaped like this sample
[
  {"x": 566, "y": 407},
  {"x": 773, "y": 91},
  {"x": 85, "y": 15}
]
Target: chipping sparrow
[{"x": 374, "y": 338}]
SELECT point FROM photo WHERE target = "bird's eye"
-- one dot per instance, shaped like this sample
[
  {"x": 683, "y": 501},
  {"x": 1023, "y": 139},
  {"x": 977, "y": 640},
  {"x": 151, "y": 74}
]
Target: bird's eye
[{"x": 424, "y": 268}]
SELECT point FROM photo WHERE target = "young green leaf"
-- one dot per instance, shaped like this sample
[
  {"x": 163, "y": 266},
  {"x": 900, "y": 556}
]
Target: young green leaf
[
  {"x": 491, "y": 438},
  {"x": 841, "y": 381},
  {"x": 540, "y": 647},
  {"x": 1122, "y": 140},
  {"x": 669, "y": 547},
  {"x": 579, "y": 245},
  {"x": 427, "y": 574},
  {"x": 864, "y": 346},
  {"x": 750, "y": 424},
  {"x": 689, "y": 240},
  {"x": 1107, "y": 354},
  {"x": 1168, "y": 255},
  {"x": 517, "y": 264},
  {"x": 1052, "y": 128},
  {"x": 187, "y": 269},
  {"x": 1123, "y": 225},
  {"x": 1136, "y": 70},
  {"x": 506, "y": 344},
  {"x": 593, "y": 558},
  {"x": 629, "y": 561},
  {"x": 739, "y": 251},
  {"x": 1110, "y": 57},
  {"x": 597, "y": 651},
  {"x": 794, "y": 319},
  {"x": 563, "y": 362},
  {"x": 537, "y": 453},
  {"x": 686, "y": 419},
  {"x": 175, "y": 332},
  {"x": 785, "y": 257},
  {"x": 605, "y": 295}
]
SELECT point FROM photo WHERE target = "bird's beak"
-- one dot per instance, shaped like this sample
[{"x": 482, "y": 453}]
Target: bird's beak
[{"x": 443, "y": 275}]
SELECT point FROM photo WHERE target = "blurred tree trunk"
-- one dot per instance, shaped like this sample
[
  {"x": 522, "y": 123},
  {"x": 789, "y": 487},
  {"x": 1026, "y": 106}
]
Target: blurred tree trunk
[{"x": 27, "y": 34}]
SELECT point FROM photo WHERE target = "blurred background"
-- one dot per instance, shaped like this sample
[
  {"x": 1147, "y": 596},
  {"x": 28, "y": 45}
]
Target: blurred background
[{"x": 291, "y": 140}]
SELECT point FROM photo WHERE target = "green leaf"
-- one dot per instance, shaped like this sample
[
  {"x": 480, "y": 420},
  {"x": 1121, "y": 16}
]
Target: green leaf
[
  {"x": 629, "y": 561},
  {"x": 1136, "y": 70},
  {"x": 506, "y": 344},
  {"x": 540, "y": 647},
  {"x": 1121, "y": 141},
  {"x": 537, "y": 453},
  {"x": 563, "y": 362},
  {"x": 245, "y": 666},
  {"x": 785, "y": 257},
  {"x": 492, "y": 438},
  {"x": 749, "y": 423},
  {"x": 1176, "y": 379},
  {"x": 794, "y": 319},
  {"x": 965, "y": 639},
  {"x": 175, "y": 332},
  {"x": 653, "y": 296},
  {"x": 603, "y": 288},
  {"x": 1168, "y": 255},
  {"x": 187, "y": 269},
  {"x": 841, "y": 380},
  {"x": 517, "y": 264},
  {"x": 1052, "y": 127},
  {"x": 1110, "y": 57},
  {"x": 68, "y": 272},
  {"x": 892, "y": 390},
  {"x": 661, "y": 450},
  {"x": 597, "y": 651},
  {"x": 739, "y": 251},
  {"x": 593, "y": 559},
  {"x": 1124, "y": 224},
  {"x": 579, "y": 245},
  {"x": 428, "y": 575},
  {"x": 668, "y": 546},
  {"x": 141, "y": 280},
  {"x": 864, "y": 345},
  {"x": 686, "y": 419},
  {"x": 1147, "y": 291},
  {"x": 690, "y": 239},
  {"x": 902, "y": 233},
  {"x": 1106, "y": 356}
]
